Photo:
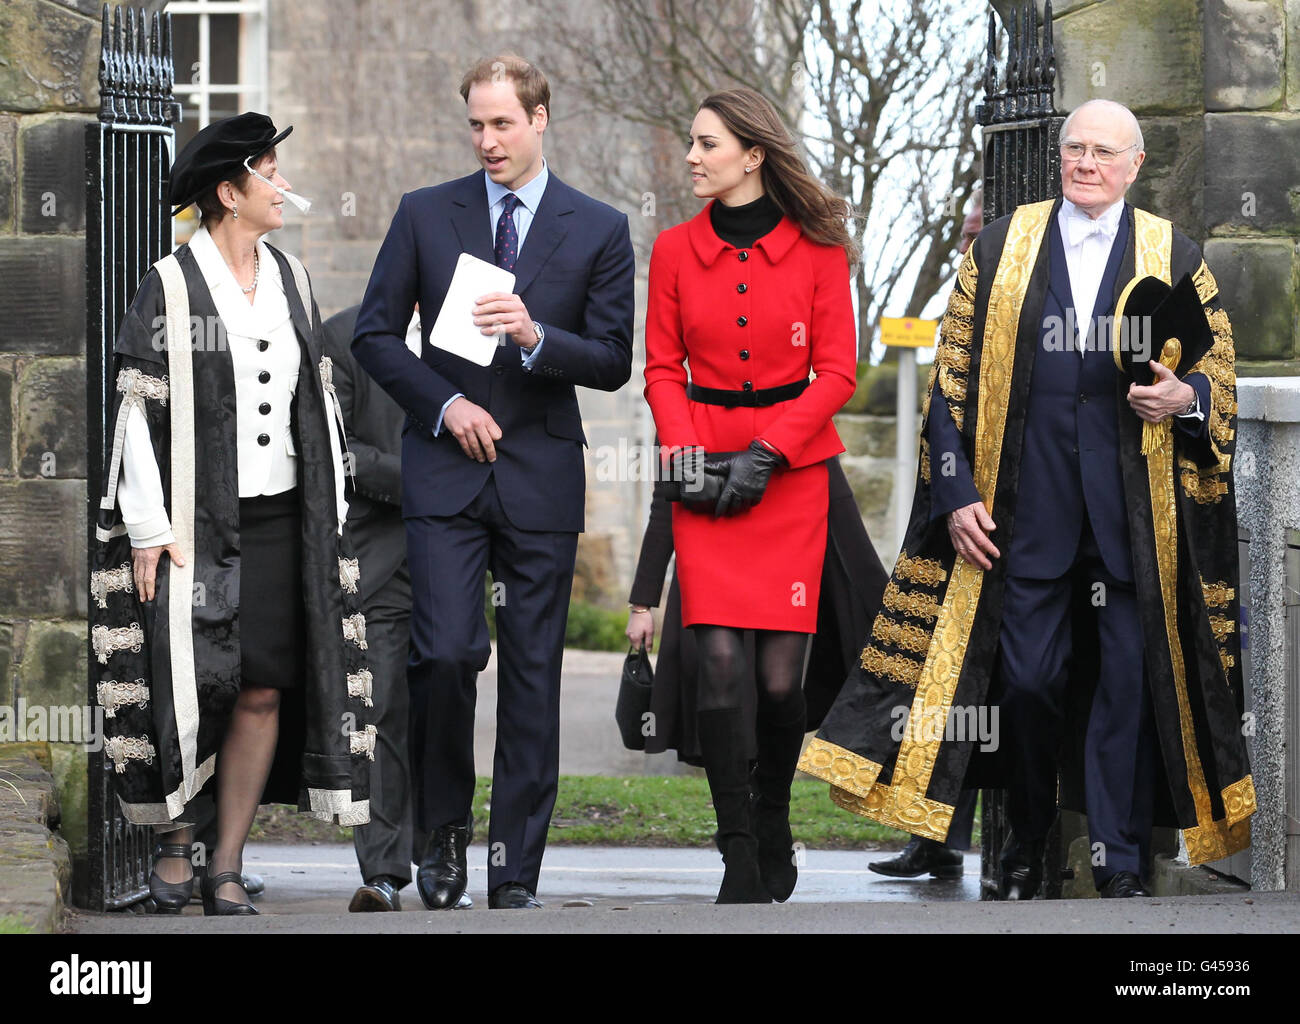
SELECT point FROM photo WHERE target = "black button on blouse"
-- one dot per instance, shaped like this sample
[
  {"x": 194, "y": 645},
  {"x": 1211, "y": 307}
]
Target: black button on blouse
[
  {"x": 263, "y": 439},
  {"x": 263, "y": 377},
  {"x": 264, "y": 408}
]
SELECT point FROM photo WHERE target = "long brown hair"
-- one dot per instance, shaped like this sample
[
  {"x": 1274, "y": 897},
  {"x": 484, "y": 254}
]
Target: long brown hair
[{"x": 821, "y": 215}]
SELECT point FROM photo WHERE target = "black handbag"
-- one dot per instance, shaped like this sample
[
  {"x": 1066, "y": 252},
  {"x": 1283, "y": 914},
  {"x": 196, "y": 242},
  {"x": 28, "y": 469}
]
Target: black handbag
[{"x": 634, "y": 698}]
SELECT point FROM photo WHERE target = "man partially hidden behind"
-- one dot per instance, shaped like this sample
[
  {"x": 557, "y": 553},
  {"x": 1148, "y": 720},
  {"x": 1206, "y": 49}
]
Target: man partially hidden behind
[
  {"x": 493, "y": 475},
  {"x": 1033, "y": 487}
]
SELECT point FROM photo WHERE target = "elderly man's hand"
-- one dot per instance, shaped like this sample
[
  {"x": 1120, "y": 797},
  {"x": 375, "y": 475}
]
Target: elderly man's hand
[
  {"x": 1166, "y": 397},
  {"x": 144, "y": 567},
  {"x": 969, "y": 528}
]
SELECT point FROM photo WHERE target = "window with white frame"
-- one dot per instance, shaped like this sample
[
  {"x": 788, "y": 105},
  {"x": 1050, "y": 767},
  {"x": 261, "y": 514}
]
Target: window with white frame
[{"x": 219, "y": 49}]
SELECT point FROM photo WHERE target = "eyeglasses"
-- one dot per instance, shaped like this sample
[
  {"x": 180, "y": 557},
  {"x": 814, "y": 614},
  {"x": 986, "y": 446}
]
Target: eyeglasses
[{"x": 1102, "y": 154}]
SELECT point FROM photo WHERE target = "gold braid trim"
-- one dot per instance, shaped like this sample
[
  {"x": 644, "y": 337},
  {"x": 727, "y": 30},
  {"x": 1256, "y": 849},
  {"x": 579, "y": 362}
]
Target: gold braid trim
[
  {"x": 924, "y": 817},
  {"x": 895, "y": 666},
  {"x": 956, "y": 333},
  {"x": 1206, "y": 490},
  {"x": 1239, "y": 800},
  {"x": 901, "y": 634},
  {"x": 1222, "y": 626},
  {"x": 1206, "y": 286},
  {"x": 1227, "y": 661},
  {"x": 919, "y": 570},
  {"x": 918, "y": 606},
  {"x": 925, "y": 459},
  {"x": 1217, "y": 594},
  {"x": 1218, "y": 367},
  {"x": 839, "y": 766}
]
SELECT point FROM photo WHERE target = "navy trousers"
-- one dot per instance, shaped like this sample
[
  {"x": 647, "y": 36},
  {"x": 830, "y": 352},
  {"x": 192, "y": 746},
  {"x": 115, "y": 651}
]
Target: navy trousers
[
  {"x": 532, "y": 574},
  {"x": 1120, "y": 747}
]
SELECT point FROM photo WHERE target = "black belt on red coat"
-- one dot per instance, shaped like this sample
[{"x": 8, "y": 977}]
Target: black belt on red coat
[{"x": 749, "y": 398}]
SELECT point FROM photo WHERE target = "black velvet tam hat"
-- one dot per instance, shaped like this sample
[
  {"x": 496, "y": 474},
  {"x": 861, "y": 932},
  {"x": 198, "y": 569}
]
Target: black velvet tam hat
[
  {"x": 1156, "y": 321},
  {"x": 217, "y": 153}
]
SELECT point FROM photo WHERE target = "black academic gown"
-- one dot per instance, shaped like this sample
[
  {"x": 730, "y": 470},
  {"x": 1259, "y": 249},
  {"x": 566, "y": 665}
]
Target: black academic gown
[{"x": 171, "y": 693}]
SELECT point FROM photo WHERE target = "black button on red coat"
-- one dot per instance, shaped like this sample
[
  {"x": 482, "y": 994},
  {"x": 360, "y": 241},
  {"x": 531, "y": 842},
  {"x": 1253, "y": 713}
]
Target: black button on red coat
[
  {"x": 748, "y": 385},
  {"x": 744, "y": 353},
  {"x": 742, "y": 320},
  {"x": 742, "y": 255},
  {"x": 742, "y": 287}
]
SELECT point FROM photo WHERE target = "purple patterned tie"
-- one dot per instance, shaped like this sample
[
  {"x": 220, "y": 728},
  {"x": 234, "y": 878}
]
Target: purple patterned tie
[{"x": 506, "y": 249}]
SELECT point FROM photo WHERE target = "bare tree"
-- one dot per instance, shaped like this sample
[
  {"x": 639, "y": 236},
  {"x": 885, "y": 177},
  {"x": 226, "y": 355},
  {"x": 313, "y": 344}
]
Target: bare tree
[{"x": 881, "y": 94}]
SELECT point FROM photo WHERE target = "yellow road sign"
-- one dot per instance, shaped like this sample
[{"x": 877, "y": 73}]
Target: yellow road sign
[{"x": 907, "y": 331}]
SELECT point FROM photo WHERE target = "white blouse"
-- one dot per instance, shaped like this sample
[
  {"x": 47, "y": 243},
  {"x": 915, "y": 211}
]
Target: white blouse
[{"x": 265, "y": 356}]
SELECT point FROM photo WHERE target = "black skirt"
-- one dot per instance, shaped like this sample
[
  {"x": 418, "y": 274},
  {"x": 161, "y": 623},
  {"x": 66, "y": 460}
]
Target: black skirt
[{"x": 272, "y": 619}]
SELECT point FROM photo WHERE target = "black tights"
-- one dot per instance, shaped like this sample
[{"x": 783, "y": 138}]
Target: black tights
[{"x": 723, "y": 670}]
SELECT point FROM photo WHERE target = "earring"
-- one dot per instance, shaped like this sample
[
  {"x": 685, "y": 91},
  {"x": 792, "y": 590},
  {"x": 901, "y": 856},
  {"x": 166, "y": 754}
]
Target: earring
[
  {"x": 748, "y": 169},
  {"x": 234, "y": 212}
]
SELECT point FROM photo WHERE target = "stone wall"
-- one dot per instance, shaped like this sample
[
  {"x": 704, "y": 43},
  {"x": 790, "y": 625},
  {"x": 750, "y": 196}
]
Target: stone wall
[
  {"x": 1216, "y": 86},
  {"x": 372, "y": 127},
  {"x": 49, "y": 51}
]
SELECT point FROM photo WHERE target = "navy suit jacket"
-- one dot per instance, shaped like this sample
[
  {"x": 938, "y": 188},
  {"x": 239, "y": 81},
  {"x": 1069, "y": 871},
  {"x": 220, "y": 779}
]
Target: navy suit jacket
[
  {"x": 1069, "y": 465},
  {"x": 575, "y": 273}
]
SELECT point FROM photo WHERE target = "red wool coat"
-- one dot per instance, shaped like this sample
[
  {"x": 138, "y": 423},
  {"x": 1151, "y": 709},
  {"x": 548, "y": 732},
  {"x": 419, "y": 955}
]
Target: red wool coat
[{"x": 751, "y": 319}]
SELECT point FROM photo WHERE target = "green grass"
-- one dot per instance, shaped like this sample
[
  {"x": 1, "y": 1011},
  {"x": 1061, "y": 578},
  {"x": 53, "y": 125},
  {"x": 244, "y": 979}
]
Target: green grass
[
  {"x": 641, "y": 810},
  {"x": 11, "y": 925}
]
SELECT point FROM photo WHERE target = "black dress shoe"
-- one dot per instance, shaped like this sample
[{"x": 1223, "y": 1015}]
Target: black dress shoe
[
  {"x": 443, "y": 875},
  {"x": 1022, "y": 868},
  {"x": 513, "y": 896},
  {"x": 379, "y": 894},
  {"x": 1123, "y": 885},
  {"x": 919, "y": 856}
]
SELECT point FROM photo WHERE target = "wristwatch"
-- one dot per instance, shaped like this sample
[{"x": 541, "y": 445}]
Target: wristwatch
[{"x": 537, "y": 330}]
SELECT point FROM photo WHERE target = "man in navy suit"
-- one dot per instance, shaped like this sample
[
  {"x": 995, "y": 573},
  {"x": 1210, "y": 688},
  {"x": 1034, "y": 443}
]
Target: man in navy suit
[{"x": 493, "y": 475}]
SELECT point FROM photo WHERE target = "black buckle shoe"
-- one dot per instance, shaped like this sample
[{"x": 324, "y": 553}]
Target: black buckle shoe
[
  {"x": 443, "y": 874},
  {"x": 1022, "y": 868},
  {"x": 1123, "y": 885},
  {"x": 170, "y": 897},
  {"x": 513, "y": 896},
  {"x": 920, "y": 856},
  {"x": 213, "y": 906}
]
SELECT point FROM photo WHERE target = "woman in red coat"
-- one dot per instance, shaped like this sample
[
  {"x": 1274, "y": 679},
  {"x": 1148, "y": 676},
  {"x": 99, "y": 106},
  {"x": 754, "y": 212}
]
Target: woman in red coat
[{"x": 753, "y": 293}]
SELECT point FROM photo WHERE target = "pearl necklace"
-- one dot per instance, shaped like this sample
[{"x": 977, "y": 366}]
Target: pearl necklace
[{"x": 257, "y": 272}]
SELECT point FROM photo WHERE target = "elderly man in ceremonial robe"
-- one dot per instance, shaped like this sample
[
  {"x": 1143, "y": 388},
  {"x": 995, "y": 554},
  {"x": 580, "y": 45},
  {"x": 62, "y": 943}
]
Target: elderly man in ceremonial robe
[{"x": 1049, "y": 545}]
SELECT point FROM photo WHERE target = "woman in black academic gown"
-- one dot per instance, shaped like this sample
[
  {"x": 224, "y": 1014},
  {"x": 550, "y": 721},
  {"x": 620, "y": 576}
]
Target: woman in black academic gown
[{"x": 224, "y": 589}]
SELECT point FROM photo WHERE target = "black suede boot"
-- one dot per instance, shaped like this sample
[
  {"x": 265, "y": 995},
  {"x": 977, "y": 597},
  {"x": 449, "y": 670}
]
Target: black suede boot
[
  {"x": 780, "y": 737},
  {"x": 722, "y": 746}
]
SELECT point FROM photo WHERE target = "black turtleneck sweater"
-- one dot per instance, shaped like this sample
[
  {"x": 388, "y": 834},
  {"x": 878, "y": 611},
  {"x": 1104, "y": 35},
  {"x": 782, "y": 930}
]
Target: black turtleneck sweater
[{"x": 742, "y": 226}]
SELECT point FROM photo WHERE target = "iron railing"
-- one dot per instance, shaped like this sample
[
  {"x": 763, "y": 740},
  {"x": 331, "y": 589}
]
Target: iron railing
[{"x": 128, "y": 228}]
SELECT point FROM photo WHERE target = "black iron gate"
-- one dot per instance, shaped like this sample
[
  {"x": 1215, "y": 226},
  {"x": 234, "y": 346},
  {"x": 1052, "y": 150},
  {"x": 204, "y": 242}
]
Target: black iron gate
[
  {"x": 1022, "y": 164},
  {"x": 128, "y": 228}
]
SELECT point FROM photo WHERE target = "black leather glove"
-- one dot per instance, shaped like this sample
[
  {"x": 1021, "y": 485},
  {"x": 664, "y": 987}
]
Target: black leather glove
[
  {"x": 747, "y": 474},
  {"x": 699, "y": 489}
]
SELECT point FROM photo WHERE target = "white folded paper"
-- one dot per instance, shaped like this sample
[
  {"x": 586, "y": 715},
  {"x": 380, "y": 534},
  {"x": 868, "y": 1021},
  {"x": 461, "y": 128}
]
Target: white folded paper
[{"x": 455, "y": 331}]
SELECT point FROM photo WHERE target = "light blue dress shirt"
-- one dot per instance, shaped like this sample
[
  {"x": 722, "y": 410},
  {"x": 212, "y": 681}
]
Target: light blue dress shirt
[{"x": 529, "y": 197}]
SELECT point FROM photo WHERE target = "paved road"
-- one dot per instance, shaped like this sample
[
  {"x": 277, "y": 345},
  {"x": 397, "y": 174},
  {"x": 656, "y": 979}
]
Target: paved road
[{"x": 588, "y": 889}]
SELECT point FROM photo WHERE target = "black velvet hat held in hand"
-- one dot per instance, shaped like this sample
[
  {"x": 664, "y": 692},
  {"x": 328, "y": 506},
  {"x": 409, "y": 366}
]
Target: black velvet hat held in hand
[
  {"x": 1156, "y": 321},
  {"x": 217, "y": 153}
]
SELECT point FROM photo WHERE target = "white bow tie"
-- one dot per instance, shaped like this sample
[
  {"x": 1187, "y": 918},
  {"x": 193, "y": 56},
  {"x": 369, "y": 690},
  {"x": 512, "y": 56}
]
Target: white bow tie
[{"x": 1081, "y": 227}]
